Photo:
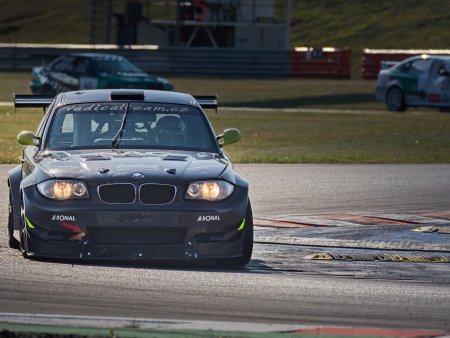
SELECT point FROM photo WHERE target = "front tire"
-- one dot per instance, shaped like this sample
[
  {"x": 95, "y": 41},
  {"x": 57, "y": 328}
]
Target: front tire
[
  {"x": 247, "y": 243},
  {"x": 13, "y": 243},
  {"x": 23, "y": 233},
  {"x": 395, "y": 100}
]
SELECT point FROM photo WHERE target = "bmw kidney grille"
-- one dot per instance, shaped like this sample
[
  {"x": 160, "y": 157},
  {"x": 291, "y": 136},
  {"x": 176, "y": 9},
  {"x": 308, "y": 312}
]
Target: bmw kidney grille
[
  {"x": 157, "y": 193},
  {"x": 125, "y": 193},
  {"x": 120, "y": 193}
]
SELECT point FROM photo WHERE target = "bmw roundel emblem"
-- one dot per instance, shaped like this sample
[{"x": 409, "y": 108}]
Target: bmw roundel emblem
[{"x": 137, "y": 175}]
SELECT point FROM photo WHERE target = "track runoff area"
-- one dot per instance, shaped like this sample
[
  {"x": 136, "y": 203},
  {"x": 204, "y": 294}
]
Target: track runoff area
[{"x": 53, "y": 326}]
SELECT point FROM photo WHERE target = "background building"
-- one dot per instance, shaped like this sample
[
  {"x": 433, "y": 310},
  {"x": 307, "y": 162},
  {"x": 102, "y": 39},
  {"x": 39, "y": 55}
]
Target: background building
[{"x": 206, "y": 23}]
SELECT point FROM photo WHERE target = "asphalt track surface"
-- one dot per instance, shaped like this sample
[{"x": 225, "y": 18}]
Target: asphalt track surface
[
  {"x": 314, "y": 189},
  {"x": 278, "y": 286}
]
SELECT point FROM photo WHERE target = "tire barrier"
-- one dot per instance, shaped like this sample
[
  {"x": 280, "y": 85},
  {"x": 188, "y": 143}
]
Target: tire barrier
[{"x": 321, "y": 62}]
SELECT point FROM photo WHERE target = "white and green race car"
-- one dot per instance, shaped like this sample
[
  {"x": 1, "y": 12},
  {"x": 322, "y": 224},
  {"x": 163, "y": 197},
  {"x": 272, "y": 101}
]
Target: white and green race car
[{"x": 417, "y": 81}]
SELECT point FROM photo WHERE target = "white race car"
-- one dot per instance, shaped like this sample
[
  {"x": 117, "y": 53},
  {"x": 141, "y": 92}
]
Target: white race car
[{"x": 417, "y": 81}]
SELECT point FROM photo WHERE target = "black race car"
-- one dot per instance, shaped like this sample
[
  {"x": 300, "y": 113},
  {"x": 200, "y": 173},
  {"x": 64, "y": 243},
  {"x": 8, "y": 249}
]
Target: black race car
[{"x": 126, "y": 174}]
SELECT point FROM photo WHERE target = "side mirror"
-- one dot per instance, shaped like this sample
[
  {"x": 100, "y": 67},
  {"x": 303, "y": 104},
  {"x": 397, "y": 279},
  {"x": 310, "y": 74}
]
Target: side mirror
[
  {"x": 26, "y": 138},
  {"x": 444, "y": 72},
  {"x": 230, "y": 136}
]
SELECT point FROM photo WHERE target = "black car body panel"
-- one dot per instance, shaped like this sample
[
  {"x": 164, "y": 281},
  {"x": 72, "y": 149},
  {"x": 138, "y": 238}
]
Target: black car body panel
[{"x": 136, "y": 205}]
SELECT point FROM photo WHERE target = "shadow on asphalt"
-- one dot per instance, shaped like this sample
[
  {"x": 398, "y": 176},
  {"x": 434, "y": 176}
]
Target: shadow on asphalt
[{"x": 254, "y": 267}]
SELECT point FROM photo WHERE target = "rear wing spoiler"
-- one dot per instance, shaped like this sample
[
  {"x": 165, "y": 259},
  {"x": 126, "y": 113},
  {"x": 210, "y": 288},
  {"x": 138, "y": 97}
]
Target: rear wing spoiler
[
  {"x": 207, "y": 102},
  {"x": 32, "y": 101},
  {"x": 43, "y": 101}
]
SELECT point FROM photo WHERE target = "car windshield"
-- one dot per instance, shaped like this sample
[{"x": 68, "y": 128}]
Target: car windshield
[
  {"x": 114, "y": 65},
  {"x": 130, "y": 125}
]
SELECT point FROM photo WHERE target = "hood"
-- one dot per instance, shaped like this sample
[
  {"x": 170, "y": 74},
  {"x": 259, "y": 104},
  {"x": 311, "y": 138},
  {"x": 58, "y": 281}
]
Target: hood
[
  {"x": 133, "y": 166},
  {"x": 136, "y": 75},
  {"x": 37, "y": 69}
]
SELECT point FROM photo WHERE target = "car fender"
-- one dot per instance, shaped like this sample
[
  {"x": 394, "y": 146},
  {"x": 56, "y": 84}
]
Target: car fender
[
  {"x": 395, "y": 83},
  {"x": 14, "y": 179},
  {"x": 385, "y": 81},
  {"x": 231, "y": 176}
]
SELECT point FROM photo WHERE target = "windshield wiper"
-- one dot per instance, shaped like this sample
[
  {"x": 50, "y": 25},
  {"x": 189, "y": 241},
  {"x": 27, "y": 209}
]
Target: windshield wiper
[{"x": 118, "y": 137}]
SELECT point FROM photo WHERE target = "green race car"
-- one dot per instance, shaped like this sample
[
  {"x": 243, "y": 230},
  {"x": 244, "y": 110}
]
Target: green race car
[{"x": 92, "y": 71}]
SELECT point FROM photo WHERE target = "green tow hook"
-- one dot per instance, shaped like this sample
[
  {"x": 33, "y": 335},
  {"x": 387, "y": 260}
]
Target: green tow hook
[
  {"x": 241, "y": 227},
  {"x": 30, "y": 225}
]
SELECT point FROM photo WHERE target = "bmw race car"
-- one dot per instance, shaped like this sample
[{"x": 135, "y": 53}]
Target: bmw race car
[
  {"x": 417, "y": 81},
  {"x": 92, "y": 71},
  {"x": 126, "y": 174}
]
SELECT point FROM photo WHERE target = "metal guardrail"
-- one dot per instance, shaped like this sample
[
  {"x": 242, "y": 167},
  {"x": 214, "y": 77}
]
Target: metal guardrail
[
  {"x": 173, "y": 61},
  {"x": 226, "y": 62}
]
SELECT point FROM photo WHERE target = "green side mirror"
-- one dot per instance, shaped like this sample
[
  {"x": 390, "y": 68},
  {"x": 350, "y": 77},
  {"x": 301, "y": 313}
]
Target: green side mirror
[
  {"x": 231, "y": 136},
  {"x": 26, "y": 138}
]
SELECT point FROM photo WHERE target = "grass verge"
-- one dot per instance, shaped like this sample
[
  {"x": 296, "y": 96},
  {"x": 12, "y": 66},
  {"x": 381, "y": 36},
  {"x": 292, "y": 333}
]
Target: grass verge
[
  {"x": 261, "y": 93},
  {"x": 274, "y": 137},
  {"x": 282, "y": 137}
]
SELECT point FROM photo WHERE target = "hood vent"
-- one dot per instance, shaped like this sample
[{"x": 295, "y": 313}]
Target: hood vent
[
  {"x": 95, "y": 157},
  {"x": 172, "y": 157}
]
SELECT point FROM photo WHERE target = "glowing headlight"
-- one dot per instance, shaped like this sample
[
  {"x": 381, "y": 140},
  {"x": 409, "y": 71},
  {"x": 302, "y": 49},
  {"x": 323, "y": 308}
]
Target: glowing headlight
[
  {"x": 63, "y": 189},
  {"x": 209, "y": 190}
]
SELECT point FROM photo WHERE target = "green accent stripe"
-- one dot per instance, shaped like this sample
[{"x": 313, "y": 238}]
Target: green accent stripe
[
  {"x": 31, "y": 226},
  {"x": 241, "y": 227}
]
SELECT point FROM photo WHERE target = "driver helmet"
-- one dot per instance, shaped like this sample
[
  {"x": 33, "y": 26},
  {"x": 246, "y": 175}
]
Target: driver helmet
[{"x": 170, "y": 131}]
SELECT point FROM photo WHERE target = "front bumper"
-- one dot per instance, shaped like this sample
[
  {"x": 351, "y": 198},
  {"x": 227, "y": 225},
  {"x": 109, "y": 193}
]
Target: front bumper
[
  {"x": 380, "y": 94},
  {"x": 183, "y": 230}
]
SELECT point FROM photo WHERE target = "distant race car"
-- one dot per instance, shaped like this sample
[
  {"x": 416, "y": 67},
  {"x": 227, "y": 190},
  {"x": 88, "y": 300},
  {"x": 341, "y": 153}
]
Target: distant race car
[
  {"x": 92, "y": 71},
  {"x": 417, "y": 81},
  {"x": 123, "y": 174}
]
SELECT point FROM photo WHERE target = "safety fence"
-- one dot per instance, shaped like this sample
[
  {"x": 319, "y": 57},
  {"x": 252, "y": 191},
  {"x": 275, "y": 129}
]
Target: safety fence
[
  {"x": 301, "y": 62},
  {"x": 372, "y": 59}
]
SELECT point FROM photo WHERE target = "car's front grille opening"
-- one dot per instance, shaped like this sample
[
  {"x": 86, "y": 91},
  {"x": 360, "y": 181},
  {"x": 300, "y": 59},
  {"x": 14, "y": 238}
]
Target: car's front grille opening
[
  {"x": 117, "y": 193},
  {"x": 157, "y": 193},
  {"x": 137, "y": 235}
]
